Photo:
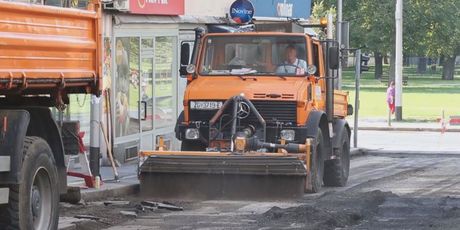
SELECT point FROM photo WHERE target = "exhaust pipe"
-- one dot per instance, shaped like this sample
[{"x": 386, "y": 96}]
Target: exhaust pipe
[{"x": 199, "y": 33}]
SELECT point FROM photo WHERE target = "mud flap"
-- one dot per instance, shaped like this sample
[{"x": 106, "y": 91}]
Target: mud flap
[{"x": 229, "y": 177}]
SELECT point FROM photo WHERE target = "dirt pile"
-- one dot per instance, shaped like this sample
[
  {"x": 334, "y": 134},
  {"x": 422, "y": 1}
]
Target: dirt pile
[{"x": 330, "y": 211}]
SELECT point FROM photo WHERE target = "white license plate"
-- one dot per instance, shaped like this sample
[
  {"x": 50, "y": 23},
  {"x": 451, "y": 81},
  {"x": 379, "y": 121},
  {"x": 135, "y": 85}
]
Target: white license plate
[{"x": 205, "y": 105}]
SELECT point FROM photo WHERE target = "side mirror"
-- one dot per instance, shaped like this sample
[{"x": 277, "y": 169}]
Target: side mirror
[
  {"x": 184, "y": 58},
  {"x": 349, "y": 110},
  {"x": 333, "y": 57}
]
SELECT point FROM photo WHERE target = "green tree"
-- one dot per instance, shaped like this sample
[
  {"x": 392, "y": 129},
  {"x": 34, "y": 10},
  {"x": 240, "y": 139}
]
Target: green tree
[
  {"x": 431, "y": 28},
  {"x": 442, "y": 38}
]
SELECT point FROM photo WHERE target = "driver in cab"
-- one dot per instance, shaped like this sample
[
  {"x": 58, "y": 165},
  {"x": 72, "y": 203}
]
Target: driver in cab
[{"x": 292, "y": 65}]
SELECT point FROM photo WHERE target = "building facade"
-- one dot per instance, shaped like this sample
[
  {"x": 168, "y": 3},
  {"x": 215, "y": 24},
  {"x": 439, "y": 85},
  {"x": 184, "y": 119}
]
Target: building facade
[{"x": 142, "y": 55}]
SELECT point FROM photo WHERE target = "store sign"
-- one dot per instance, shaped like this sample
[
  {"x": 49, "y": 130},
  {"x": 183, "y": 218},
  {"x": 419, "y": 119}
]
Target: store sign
[
  {"x": 242, "y": 11},
  {"x": 282, "y": 8},
  {"x": 157, "y": 7}
]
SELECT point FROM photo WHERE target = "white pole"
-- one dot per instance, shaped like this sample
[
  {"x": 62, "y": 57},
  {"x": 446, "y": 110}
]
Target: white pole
[
  {"x": 339, "y": 39},
  {"x": 398, "y": 59},
  {"x": 330, "y": 26},
  {"x": 357, "y": 86}
]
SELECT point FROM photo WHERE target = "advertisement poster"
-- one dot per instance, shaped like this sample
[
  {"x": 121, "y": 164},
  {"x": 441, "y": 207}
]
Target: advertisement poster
[{"x": 282, "y": 8}]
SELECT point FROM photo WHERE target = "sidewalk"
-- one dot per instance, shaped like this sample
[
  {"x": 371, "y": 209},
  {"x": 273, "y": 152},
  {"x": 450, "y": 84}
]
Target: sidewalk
[
  {"x": 128, "y": 183},
  {"x": 380, "y": 124}
]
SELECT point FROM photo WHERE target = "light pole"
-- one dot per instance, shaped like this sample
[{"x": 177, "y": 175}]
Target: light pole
[
  {"x": 339, "y": 39},
  {"x": 398, "y": 59}
]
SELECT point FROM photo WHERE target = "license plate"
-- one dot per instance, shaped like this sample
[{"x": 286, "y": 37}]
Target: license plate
[{"x": 205, "y": 105}]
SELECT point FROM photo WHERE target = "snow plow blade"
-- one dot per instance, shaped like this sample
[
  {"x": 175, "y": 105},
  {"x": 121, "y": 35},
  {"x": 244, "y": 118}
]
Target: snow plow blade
[{"x": 221, "y": 176}]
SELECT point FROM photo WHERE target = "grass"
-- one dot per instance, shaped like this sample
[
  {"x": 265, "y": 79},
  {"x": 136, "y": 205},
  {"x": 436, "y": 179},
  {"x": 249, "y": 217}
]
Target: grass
[{"x": 424, "y": 98}]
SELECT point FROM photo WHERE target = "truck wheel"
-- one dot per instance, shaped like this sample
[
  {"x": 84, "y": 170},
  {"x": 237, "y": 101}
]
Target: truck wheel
[
  {"x": 336, "y": 171},
  {"x": 34, "y": 203},
  {"x": 317, "y": 163},
  {"x": 192, "y": 146}
]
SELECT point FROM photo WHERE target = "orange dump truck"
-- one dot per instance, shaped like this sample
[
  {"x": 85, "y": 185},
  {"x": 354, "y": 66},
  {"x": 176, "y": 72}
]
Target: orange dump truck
[
  {"x": 261, "y": 120},
  {"x": 46, "y": 53}
]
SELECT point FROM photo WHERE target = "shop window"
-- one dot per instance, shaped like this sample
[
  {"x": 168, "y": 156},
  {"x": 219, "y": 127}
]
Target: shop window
[
  {"x": 146, "y": 82},
  {"x": 164, "y": 72},
  {"x": 126, "y": 86}
]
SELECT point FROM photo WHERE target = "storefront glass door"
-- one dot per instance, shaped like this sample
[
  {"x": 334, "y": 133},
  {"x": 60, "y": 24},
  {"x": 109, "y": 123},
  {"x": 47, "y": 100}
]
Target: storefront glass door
[
  {"x": 144, "y": 95},
  {"x": 126, "y": 91}
]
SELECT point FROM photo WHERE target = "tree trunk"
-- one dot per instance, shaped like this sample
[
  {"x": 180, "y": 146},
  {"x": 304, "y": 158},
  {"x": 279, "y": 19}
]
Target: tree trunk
[
  {"x": 448, "y": 68},
  {"x": 385, "y": 59},
  {"x": 441, "y": 60},
  {"x": 378, "y": 65},
  {"x": 421, "y": 65}
]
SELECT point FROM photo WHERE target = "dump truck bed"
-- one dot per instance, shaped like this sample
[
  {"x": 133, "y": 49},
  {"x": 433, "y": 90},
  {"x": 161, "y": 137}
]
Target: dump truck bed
[{"x": 45, "y": 47}]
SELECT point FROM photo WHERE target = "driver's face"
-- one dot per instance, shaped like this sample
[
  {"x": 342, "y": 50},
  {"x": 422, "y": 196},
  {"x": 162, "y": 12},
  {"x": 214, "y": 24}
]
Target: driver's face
[{"x": 291, "y": 55}]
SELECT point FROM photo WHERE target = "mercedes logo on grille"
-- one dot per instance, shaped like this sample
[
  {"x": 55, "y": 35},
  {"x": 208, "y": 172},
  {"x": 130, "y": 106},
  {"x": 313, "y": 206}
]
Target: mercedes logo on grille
[{"x": 243, "y": 110}]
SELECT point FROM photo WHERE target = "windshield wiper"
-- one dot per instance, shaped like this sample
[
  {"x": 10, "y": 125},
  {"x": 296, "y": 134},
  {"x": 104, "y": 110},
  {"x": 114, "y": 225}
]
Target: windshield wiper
[
  {"x": 246, "y": 78},
  {"x": 281, "y": 76},
  {"x": 275, "y": 74}
]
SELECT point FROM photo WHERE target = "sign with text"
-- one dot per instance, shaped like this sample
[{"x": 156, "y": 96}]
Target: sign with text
[
  {"x": 242, "y": 11},
  {"x": 282, "y": 8},
  {"x": 157, "y": 7}
]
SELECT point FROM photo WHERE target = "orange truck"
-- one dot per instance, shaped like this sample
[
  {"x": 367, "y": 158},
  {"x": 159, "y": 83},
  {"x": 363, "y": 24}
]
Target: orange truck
[
  {"x": 46, "y": 53},
  {"x": 261, "y": 120}
]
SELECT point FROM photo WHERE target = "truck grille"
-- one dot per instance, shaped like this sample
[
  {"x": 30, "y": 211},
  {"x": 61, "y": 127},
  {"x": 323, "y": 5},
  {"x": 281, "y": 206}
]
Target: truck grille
[{"x": 271, "y": 111}]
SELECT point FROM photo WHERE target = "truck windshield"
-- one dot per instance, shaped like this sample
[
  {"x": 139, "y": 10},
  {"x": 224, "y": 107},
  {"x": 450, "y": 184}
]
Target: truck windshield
[{"x": 254, "y": 55}]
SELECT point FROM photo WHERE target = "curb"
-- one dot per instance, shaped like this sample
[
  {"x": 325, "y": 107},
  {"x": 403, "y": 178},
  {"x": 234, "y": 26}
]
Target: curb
[
  {"x": 411, "y": 152},
  {"x": 452, "y": 130},
  {"x": 103, "y": 193},
  {"x": 354, "y": 152}
]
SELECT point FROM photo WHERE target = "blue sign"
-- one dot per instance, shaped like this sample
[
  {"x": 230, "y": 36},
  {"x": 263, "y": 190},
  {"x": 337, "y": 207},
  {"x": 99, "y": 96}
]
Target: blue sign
[
  {"x": 242, "y": 11},
  {"x": 283, "y": 8}
]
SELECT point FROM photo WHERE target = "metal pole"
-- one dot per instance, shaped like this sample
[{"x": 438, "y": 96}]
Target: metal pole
[
  {"x": 398, "y": 59},
  {"x": 339, "y": 39},
  {"x": 357, "y": 78},
  {"x": 330, "y": 26},
  {"x": 94, "y": 145},
  {"x": 330, "y": 95}
]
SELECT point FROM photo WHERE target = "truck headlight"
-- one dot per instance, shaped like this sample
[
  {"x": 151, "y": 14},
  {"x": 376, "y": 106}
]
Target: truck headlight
[
  {"x": 192, "y": 134},
  {"x": 287, "y": 134}
]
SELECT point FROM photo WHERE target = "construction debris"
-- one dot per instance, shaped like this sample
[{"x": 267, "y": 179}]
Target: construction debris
[
  {"x": 116, "y": 202},
  {"x": 89, "y": 217},
  {"x": 164, "y": 205},
  {"x": 129, "y": 213}
]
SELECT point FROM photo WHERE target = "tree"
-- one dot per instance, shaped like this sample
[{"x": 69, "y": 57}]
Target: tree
[
  {"x": 443, "y": 33},
  {"x": 321, "y": 10},
  {"x": 431, "y": 28}
]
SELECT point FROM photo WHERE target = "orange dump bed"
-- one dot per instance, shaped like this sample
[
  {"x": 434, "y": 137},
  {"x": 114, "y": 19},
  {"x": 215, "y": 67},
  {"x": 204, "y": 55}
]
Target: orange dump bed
[{"x": 43, "y": 48}]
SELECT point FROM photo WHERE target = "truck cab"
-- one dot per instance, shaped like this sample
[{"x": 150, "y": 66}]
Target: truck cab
[
  {"x": 282, "y": 74},
  {"x": 261, "y": 119}
]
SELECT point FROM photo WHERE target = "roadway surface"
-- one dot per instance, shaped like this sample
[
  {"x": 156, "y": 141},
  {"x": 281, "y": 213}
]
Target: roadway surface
[{"x": 395, "y": 190}]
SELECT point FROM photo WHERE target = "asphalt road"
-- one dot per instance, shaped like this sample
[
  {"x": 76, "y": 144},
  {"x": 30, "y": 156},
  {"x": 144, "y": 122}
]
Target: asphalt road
[
  {"x": 409, "y": 141},
  {"x": 390, "y": 191}
]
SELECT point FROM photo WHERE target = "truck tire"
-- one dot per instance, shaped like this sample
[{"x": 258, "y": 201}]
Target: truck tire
[
  {"x": 336, "y": 171},
  {"x": 192, "y": 146},
  {"x": 34, "y": 203},
  {"x": 317, "y": 163}
]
